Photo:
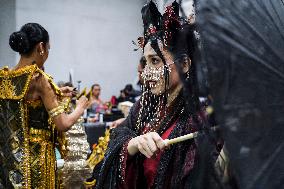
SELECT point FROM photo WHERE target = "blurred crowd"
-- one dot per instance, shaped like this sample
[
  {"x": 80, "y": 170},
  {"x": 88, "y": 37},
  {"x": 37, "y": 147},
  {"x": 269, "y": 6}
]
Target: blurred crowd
[{"x": 117, "y": 107}]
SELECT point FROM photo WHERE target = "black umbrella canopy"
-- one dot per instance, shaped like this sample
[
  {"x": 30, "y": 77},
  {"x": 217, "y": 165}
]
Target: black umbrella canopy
[{"x": 243, "y": 50}]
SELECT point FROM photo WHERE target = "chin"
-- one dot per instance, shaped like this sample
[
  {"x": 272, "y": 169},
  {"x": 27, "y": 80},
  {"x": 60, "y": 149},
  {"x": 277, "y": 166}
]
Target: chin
[
  {"x": 157, "y": 91},
  {"x": 153, "y": 91}
]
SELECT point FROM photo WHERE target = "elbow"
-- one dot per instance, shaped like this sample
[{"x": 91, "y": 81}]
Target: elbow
[
  {"x": 63, "y": 127},
  {"x": 63, "y": 123}
]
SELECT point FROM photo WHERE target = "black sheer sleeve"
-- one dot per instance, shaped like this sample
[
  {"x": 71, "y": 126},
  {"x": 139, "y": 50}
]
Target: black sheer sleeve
[{"x": 111, "y": 168}]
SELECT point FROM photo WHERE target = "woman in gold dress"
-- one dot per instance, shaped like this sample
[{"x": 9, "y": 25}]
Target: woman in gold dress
[{"x": 32, "y": 112}]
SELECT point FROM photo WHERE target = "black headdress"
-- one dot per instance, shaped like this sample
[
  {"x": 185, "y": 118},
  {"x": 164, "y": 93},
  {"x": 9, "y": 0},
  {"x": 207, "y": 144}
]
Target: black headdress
[{"x": 163, "y": 27}]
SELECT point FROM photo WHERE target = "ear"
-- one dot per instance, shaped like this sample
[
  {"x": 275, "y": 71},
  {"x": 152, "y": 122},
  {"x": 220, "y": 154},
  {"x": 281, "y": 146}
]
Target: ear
[
  {"x": 41, "y": 48},
  {"x": 186, "y": 64}
]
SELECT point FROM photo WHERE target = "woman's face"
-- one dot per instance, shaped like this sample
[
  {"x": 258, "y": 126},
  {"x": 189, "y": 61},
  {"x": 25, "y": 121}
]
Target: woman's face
[
  {"x": 96, "y": 91},
  {"x": 153, "y": 73}
]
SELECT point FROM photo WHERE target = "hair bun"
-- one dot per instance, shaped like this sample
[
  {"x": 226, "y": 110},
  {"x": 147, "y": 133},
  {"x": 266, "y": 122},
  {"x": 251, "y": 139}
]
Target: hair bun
[{"x": 19, "y": 42}]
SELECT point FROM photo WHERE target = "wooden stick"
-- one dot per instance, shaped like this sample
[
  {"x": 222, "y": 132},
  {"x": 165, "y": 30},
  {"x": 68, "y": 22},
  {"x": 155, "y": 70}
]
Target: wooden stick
[
  {"x": 186, "y": 137},
  {"x": 181, "y": 138}
]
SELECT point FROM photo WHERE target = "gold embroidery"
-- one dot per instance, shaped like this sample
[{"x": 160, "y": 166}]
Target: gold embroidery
[
  {"x": 99, "y": 150},
  {"x": 38, "y": 135},
  {"x": 7, "y": 89},
  {"x": 42, "y": 159},
  {"x": 97, "y": 156},
  {"x": 14, "y": 73},
  {"x": 56, "y": 111},
  {"x": 35, "y": 103},
  {"x": 61, "y": 108},
  {"x": 90, "y": 184},
  {"x": 26, "y": 161},
  {"x": 37, "y": 163}
]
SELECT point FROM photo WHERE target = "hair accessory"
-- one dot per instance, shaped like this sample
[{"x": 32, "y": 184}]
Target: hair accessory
[
  {"x": 187, "y": 75},
  {"x": 159, "y": 26},
  {"x": 140, "y": 44}
]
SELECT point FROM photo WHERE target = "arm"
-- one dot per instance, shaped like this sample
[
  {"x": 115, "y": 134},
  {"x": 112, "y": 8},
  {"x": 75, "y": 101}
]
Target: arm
[
  {"x": 116, "y": 123},
  {"x": 62, "y": 120}
]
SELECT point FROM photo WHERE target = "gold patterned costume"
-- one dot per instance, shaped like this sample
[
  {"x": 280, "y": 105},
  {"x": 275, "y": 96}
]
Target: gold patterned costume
[
  {"x": 97, "y": 156},
  {"x": 27, "y": 134}
]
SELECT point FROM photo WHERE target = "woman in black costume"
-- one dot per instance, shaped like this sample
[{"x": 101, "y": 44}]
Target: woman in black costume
[{"x": 136, "y": 156}]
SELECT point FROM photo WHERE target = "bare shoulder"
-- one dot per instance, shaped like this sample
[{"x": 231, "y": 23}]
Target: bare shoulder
[
  {"x": 41, "y": 82},
  {"x": 37, "y": 87}
]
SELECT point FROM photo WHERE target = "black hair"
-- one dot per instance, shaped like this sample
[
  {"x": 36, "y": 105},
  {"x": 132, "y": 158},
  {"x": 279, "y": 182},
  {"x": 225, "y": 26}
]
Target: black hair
[
  {"x": 68, "y": 84},
  {"x": 185, "y": 47},
  {"x": 60, "y": 83},
  {"x": 161, "y": 27},
  {"x": 25, "y": 40},
  {"x": 128, "y": 87},
  {"x": 142, "y": 62},
  {"x": 166, "y": 28},
  {"x": 95, "y": 85}
]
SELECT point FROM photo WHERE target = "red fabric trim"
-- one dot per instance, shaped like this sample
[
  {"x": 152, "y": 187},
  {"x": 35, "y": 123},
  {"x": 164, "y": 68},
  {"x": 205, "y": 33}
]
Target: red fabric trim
[{"x": 151, "y": 164}]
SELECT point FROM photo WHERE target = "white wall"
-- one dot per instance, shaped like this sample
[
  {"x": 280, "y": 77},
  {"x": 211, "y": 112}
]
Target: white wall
[
  {"x": 187, "y": 5},
  {"x": 92, "y": 37},
  {"x": 7, "y": 26}
]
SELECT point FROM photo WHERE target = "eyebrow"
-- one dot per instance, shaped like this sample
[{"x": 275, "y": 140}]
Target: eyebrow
[{"x": 152, "y": 55}]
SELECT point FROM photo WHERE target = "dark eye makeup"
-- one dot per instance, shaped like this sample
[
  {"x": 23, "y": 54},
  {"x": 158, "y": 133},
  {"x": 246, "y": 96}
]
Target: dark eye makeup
[{"x": 155, "y": 60}]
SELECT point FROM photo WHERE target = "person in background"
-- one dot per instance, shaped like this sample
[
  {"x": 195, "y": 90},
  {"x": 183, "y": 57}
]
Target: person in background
[
  {"x": 61, "y": 84},
  {"x": 130, "y": 93},
  {"x": 122, "y": 97},
  {"x": 140, "y": 67},
  {"x": 69, "y": 84},
  {"x": 96, "y": 105}
]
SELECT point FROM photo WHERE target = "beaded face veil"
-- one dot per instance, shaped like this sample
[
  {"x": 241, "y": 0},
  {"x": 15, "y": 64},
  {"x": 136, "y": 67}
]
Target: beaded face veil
[{"x": 159, "y": 33}]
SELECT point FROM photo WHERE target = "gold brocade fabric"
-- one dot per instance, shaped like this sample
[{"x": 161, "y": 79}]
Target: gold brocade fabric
[
  {"x": 27, "y": 136},
  {"x": 99, "y": 150},
  {"x": 41, "y": 146},
  {"x": 97, "y": 156}
]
